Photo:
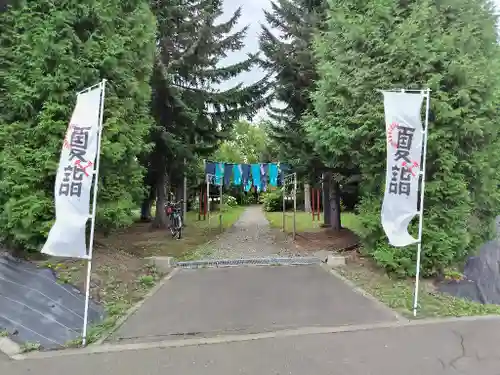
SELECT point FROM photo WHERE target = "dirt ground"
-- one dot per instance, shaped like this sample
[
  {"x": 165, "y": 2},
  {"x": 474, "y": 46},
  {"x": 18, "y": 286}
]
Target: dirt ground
[
  {"x": 115, "y": 273},
  {"x": 326, "y": 239},
  {"x": 120, "y": 274}
]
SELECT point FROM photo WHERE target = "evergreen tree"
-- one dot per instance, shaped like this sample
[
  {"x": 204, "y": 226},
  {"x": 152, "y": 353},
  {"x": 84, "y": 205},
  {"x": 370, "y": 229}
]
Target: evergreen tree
[
  {"x": 48, "y": 52},
  {"x": 192, "y": 115},
  {"x": 288, "y": 56},
  {"x": 448, "y": 46}
]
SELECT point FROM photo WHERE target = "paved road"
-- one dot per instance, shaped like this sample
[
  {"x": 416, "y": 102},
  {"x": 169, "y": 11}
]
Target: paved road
[
  {"x": 437, "y": 349},
  {"x": 214, "y": 301},
  {"x": 211, "y": 302}
]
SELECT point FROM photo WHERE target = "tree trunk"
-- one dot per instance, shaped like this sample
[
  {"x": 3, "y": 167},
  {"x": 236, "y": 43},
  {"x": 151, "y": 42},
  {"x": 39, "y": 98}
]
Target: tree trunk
[
  {"x": 161, "y": 220},
  {"x": 179, "y": 194},
  {"x": 326, "y": 199},
  {"x": 147, "y": 204},
  {"x": 335, "y": 219},
  {"x": 307, "y": 197}
]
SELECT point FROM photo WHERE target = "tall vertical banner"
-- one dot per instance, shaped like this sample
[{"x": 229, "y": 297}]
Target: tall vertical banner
[
  {"x": 404, "y": 155},
  {"x": 67, "y": 237},
  {"x": 406, "y": 159}
]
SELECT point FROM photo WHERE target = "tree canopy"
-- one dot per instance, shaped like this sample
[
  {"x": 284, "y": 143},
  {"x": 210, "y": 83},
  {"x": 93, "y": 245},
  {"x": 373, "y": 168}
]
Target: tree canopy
[
  {"x": 47, "y": 54},
  {"x": 450, "y": 47},
  {"x": 286, "y": 45},
  {"x": 192, "y": 115},
  {"x": 247, "y": 143}
]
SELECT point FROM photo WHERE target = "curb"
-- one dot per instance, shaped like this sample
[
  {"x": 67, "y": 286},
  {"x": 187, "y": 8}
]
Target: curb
[
  {"x": 9, "y": 347},
  {"x": 136, "y": 307},
  {"x": 226, "y": 339}
]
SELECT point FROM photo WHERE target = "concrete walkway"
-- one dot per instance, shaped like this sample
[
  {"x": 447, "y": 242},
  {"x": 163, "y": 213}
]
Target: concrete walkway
[
  {"x": 469, "y": 347},
  {"x": 219, "y": 301}
]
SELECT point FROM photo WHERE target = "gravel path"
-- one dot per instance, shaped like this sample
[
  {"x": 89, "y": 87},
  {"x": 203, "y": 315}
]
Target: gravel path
[{"x": 250, "y": 237}]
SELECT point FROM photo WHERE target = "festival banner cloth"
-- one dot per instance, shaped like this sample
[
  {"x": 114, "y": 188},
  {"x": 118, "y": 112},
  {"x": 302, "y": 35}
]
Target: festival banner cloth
[
  {"x": 67, "y": 237},
  {"x": 259, "y": 175},
  {"x": 404, "y": 153}
]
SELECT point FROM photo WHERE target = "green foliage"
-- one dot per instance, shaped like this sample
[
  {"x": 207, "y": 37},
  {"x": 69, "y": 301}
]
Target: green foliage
[
  {"x": 229, "y": 200},
  {"x": 450, "y": 47},
  {"x": 247, "y": 199},
  {"x": 272, "y": 201},
  {"x": 247, "y": 143},
  {"x": 146, "y": 281},
  {"x": 48, "y": 53},
  {"x": 288, "y": 55},
  {"x": 192, "y": 114}
]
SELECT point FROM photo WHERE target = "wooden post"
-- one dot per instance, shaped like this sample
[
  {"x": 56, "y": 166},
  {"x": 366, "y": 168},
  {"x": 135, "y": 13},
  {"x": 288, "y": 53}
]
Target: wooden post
[
  {"x": 200, "y": 203},
  {"x": 313, "y": 202},
  {"x": 205, "y": 205},
  {"x": 317, "y": 203}
]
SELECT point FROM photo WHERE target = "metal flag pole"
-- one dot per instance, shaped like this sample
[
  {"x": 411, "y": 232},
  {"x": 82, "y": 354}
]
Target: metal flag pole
[
  {"x": 323, "y": 195},
  {"x": 220, "y": 205},
  {"x": 208, "y": 176},
  {"x": 184, "y": 194},
  {"x": 94, "y": 207},
  {"x": 294, "y": 203},
  {"x": 421, "y": 210},
  {"x": 284, "y": 204}
]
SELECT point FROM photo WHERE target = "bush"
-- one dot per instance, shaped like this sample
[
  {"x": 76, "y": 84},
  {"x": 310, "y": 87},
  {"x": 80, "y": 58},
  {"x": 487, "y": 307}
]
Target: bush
[
  {"x": 229, "y": 200},
  {"x": 76, "y": 46},
  {"x": 262, "y": 197},
  {"x": 273, "y": 201},
  {"x": 247, "y": 199},
  {"x": 462, "y": 179}
]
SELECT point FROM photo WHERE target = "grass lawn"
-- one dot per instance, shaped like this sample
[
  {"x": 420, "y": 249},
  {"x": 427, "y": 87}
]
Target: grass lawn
[
  {"x": 304, "y": 222},
  {"x": 397, "y": 294},
  {"x": 140, "y": 240},
  {"x": 120, "y": 276}
]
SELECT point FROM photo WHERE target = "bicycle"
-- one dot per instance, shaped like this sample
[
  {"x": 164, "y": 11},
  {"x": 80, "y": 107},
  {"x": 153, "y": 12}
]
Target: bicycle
[{"x": 173, "y": 211}]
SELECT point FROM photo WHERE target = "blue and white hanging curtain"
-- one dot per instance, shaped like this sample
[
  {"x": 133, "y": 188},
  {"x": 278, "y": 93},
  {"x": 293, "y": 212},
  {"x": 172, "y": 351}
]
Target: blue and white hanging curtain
[
  {"x": 257, "y": 175},
  {"x": 237, "y": 174}
]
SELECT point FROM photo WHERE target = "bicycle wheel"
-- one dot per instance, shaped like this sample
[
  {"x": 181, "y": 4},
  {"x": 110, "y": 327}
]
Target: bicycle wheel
[
  {"x": 173, "y": 229},
  {"x": 178, "y": 227}
]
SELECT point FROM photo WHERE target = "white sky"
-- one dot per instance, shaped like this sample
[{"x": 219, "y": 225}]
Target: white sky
[{"x": 253, "y": 16}]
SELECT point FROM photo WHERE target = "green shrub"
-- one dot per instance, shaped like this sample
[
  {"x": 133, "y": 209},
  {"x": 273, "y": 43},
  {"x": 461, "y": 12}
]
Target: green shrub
[
  {"x": 76, "y": 46},
  {"x": 272, "y": 201},
  {"x": 229, "y": 200},
  {"x": 462, "y": 177},
  {"x": 247, "y": 199},
  {"x": 262, "y": 197}
]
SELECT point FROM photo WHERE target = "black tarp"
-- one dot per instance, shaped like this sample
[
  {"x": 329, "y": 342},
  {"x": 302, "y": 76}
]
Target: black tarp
[
  {"x": 35, "y": 308},
  {"x": 481, "y": 281}
]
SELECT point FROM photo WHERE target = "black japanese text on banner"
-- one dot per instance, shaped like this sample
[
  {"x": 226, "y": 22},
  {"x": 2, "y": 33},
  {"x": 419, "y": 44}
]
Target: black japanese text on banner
[
  {"x": 67, "y": 237},
  {"x": 404, "y": 153}
]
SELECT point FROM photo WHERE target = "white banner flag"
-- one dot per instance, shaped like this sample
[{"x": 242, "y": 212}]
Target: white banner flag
[
  {"x": 404, "y": 152},
  {"x": 67, "y": 237}
]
